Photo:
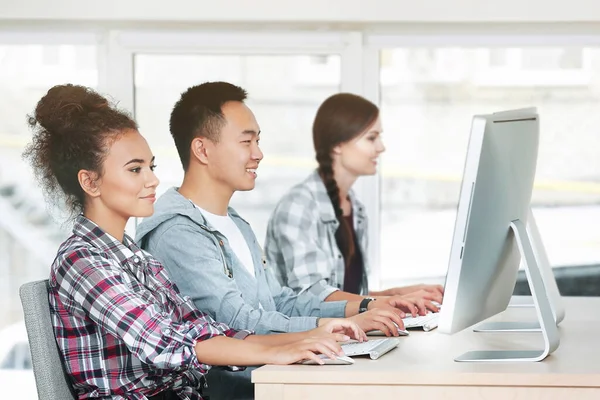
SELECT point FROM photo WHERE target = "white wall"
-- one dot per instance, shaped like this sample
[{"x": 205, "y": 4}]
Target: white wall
[{"x": 320, "y": 11}]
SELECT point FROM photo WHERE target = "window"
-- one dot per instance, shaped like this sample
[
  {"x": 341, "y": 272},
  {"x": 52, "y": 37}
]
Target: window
[
  {"x": 29, "y": 236},
  {"x": 529, "y": 66},
  {"x": 283, "y": 109},
  {"x": 427, "y": 121}
]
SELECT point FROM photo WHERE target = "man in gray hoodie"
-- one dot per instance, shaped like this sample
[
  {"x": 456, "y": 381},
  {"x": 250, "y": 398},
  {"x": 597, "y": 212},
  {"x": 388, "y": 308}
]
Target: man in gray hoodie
[{"x": 211, "y": 253}]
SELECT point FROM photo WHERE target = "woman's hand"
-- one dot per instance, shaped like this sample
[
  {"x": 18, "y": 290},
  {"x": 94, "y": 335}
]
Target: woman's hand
[
  {"x": 306, "y": 349},
  {"x": 344, "y": 329},
  {"x": 428, "y": 292}
]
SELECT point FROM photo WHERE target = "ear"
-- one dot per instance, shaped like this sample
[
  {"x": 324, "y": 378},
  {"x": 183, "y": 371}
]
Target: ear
[
  {"x": 199, "y": 149},
  {"x": 337, "y": 150},
  {"x": 89, "y": 182}
]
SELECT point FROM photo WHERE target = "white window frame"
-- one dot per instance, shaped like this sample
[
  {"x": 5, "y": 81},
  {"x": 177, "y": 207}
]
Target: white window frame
[
  {"x": 123, "y": 45},
  {"x": 375, "y": 42},
  {"x": 50, "y": 38},
  {"x": 513, "y": 75}
]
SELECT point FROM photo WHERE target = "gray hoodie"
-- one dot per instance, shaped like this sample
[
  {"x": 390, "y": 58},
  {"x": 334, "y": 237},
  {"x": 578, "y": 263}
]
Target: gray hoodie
[{"x": 200, "y": 261}]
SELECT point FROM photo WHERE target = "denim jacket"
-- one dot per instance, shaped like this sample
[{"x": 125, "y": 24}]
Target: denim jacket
[{"x": 200, "y": 261}]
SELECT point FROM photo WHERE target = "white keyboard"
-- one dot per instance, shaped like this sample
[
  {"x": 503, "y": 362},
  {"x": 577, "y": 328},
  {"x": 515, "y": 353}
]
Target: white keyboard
[
  {"x": 428, "y": 321},
  {"x": 375, "y": 348}
]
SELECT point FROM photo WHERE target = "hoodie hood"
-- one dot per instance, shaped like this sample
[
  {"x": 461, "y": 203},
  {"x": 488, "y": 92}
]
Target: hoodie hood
[{"x": 170, "y": 205}]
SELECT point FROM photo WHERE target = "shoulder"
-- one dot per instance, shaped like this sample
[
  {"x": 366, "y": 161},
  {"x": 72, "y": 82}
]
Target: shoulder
[
  {"x": 299, "y": 198},
  {"x": 77, "y": 258}
]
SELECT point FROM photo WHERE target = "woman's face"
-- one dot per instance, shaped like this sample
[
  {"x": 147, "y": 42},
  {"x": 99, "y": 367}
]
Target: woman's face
[
  {"x": 359, "y": 156},
  {"x": 128, "y": 184}
]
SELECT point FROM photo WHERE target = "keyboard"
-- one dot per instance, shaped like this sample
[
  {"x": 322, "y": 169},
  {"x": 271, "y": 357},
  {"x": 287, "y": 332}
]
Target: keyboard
[
  {"x": 426, "y": 322},
  {"x": 374, "y": 348}
]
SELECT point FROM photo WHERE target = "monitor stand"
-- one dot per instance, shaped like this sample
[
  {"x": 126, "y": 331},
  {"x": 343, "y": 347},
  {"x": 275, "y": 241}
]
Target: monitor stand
[
  {"x": 558, "y": 310},
  {"x": 541, "y": 301}
]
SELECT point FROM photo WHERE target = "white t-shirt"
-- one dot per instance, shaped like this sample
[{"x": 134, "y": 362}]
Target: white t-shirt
[{"x": 230, "y": 230}]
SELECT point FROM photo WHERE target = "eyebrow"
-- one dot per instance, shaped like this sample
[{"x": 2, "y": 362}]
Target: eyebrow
[
  {"x": 250, "y": 132},
  {"x": 138, "y": 160}
]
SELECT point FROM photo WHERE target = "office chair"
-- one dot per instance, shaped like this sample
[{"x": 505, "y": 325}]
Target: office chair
[{"x": 50, "y": 377}]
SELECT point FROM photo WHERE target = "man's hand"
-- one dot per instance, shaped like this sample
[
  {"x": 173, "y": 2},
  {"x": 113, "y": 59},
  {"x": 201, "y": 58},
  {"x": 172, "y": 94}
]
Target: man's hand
[
  {"x": 381, "y": 319},
  {"x": 415, "y": 304}
]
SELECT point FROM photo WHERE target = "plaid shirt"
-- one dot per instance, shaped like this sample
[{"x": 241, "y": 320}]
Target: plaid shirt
[
  {"x": 301, "y": 243},
  {"x": 123, "y": 329}
]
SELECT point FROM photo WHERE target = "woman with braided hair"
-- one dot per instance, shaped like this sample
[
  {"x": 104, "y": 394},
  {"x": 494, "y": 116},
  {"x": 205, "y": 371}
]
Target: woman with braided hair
[{"x": 317, "y": 235}]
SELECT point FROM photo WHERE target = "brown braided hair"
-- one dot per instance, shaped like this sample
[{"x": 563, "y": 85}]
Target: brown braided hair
[{"x": 341, "y": 118}]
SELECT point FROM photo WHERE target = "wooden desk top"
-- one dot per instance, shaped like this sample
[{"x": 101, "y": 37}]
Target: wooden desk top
[{"x": 427, "y": 358}]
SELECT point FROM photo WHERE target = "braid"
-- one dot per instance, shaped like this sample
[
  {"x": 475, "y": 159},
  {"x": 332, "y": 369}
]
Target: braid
[
  {"x": 344, "y": 233},
  {"x": 326, "y": 172}
]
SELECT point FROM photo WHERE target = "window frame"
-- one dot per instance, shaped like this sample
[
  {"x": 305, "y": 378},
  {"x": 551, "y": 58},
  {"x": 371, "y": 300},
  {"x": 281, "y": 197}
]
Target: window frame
[{"x": 375, "y": 42}]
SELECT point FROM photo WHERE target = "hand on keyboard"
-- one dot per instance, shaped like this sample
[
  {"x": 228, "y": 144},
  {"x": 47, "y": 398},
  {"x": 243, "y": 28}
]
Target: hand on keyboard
[
  {"x": 384, "y": 320},
  {"x": 432, "y": 292}
]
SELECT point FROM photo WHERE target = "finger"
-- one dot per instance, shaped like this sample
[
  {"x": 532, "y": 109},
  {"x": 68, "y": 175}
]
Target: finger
[
  {"x": 433, "y": 296},
  {"x": 363, "y": 336},
  {"x": 411, "y": 307},
  {"x": 341, "y": 337},
  {"x": 357, "y": 333},
  {"x": 422, "y": 308},
  {"x": 329, "y": 348},
  {"x": 340, "y": 324},
  {"x": 398, "y": 312},
  {"x": 399, "y": 303},
  {"x": 430, "y": 306},
  {"x": 401, "y": 325},
  {"x": 383, "y": 328},
  {"x": 397, "y": 320},
  {"x": 309, "y": 355},
  {"x": 393, "y": 329}
]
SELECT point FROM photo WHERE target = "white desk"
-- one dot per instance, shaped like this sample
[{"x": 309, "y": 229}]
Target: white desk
[{"x": 423, "y": 366}]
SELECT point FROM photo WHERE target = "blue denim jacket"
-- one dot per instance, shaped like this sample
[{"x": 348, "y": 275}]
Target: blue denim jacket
[{"x": 200, "y": 261}]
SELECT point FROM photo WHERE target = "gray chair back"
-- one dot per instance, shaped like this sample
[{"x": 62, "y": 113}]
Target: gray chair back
[{"x": 50, "y": 376}]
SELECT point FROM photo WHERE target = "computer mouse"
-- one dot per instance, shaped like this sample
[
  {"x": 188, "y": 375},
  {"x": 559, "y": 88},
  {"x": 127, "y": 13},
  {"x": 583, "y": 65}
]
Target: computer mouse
[{"x": 339, "y": 360}]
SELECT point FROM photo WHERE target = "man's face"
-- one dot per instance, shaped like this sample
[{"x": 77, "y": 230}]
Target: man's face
[{"x": 234, "y": 158}]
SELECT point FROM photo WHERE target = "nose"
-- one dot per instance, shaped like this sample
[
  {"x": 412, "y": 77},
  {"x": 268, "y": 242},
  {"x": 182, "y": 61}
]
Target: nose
[
  {"x": 152, "y": 180},
  {"x": 257, "y": 153},
  {"x": 381, "y": 146}
]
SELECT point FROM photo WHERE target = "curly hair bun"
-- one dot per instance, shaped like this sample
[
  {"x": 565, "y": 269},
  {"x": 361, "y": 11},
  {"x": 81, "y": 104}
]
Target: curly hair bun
[
  {"x": 64, "y": 106},
  {"x": 71, "y": 125}
]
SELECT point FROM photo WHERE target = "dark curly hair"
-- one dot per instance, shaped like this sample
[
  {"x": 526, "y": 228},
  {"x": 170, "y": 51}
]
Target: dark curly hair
[
  {"x": 199, "y": 113},
  {"x": 340, "y": 118},
  {"x": 72, "y": 128}
]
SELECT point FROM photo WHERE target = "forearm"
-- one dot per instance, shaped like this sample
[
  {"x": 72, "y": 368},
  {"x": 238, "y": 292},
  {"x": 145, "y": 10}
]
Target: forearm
[
  {"x": 277, "y": 339},
  {"x": 222, "y": 350},
  {"x": 338, "y": 295},
  {"x": 387, "y": 292}
]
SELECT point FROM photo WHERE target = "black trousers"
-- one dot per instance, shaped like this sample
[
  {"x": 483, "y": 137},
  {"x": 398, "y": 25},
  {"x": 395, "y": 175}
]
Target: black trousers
[{"x": 166, "y": 395}]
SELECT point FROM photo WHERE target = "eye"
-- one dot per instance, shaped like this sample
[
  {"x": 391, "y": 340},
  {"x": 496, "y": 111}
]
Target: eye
[
  {"x": 258, "y": 142},
  {"x": 152, "y": 167},
  {"x": 247, "y": 141},
  {"x": 136, "y": 170}
]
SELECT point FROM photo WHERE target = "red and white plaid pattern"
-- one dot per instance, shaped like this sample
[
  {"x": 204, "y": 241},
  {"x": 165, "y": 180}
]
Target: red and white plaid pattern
[{"x": 123, "y": 329}]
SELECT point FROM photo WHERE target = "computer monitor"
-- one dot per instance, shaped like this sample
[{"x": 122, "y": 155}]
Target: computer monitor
[{"x": 490, "y": 236}]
